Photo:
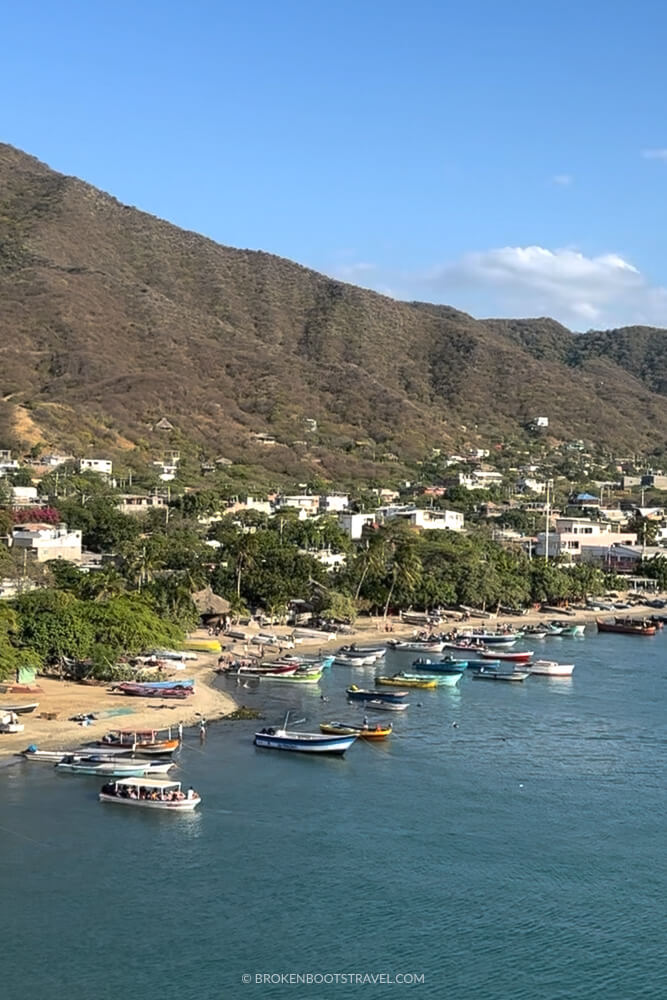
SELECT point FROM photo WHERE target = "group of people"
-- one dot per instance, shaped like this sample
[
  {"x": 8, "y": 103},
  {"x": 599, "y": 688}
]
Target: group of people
[{"x": 150, "y": 794}]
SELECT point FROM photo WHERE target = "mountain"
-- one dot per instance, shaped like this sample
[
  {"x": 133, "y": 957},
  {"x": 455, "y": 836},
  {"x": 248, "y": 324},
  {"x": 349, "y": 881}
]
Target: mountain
[{"x": 113, "y": 319}]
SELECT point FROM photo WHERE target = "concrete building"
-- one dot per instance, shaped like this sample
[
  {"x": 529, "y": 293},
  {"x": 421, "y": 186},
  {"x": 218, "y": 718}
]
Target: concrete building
[
  {"x": 42, "y": 542},
  {"x": 302, "y": 501},
  {"x": 24, "y": 496},
  {"x": 426, "y": 519},
  {"x": 333, "y": 503},
  {"x": 353, "y": 524},
  {"x": 102, "y": 466},
  {"x": 582, "y": 539},
  {"x": 137, "y": 503}
]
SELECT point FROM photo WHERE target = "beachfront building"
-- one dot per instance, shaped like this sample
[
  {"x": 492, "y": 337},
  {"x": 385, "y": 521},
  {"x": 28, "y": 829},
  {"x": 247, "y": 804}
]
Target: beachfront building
[
  {"x": 581, "y": 539},
  {"x": 41, "y": 542}
]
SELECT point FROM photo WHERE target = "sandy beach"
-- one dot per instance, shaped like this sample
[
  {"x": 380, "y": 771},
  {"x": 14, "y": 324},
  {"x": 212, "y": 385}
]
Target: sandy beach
[{"x": 51, "y": 725}]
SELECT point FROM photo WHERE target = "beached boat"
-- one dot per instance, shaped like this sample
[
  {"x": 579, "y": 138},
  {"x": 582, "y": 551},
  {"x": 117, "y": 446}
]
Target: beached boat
[
  {"x": 493, "y": 638},
  {"x": 178, "y": 655},
  {"x": 150, "y": 793},
  {"x": 493, "y": 674},
  {"x": 168, "y": 685},
  {"x": 365, "y": 731},
  {"x": 147, "y": 741},
  {"x": 355, "y": 693},
  {"x": 448, "y": 679},
  {"x": 399, "y": 680},
  {"x": 626, "y": 626},
  {"x": 508, "y": 657},
  {"x": 382, "y": 705},
  {"x": 551, "y": 668},
  {"x": 136, "y": 690},
  {"x": 283, "y": 738},
  {"x": 302, "y": 675},
  {"x": 19, "y": 709}
]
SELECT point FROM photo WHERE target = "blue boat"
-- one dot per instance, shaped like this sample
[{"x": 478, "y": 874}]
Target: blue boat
[
  {"x": 447, "y": 665},
  {"x": 168, "y": 685},
  {"x": 361, "y": 694},
  {"x": 293, "y": 739},
  {"x": 476, "y": 664}
]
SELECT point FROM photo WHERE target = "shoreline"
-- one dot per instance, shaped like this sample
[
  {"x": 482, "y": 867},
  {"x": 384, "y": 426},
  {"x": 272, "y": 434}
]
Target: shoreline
[{"x": 63, "y": 699}]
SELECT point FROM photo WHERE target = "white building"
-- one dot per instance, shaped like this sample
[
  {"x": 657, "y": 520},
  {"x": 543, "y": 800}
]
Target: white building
[
  {"x": 332, "y": 560},
  {"x": 540, "y": 422},
  {"x": 582, "y": 539},
  {"x": 42, "y": 542},
  {"x": 303, "y": 501},
  {"x": 102, "y": 466},
  {"x": 353, "y": 524},
  {"x": 332, "y": 503},
  {"x": 138, "y": 503},
  {"x": 425, "y": 518},
  {"x": 53, "y": 461},
  {"x": 24, "y": 496},
  {"x": 528, "y": 484}
]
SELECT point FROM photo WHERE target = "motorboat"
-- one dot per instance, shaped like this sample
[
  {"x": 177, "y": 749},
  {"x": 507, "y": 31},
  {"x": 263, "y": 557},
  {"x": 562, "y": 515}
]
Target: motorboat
[
  {"x": 551, "y": 668},
  {"x": 283, "y": 738},
  {"x": 150, "y": 793}
]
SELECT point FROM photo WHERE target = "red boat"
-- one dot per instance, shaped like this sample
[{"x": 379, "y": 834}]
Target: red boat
[
  {"x": 626, "y": 626},
  {"x": 493, "y": 654}
]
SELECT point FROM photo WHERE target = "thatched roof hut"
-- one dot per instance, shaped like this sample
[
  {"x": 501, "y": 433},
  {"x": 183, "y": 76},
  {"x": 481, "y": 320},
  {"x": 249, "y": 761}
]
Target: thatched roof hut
[{"x": 210, "y": 606}]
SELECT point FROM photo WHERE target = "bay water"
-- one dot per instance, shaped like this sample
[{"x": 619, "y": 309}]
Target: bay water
[{"x": 507, "y": 841}]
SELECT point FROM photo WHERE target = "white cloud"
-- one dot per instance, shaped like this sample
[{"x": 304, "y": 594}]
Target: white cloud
[
  {"x": 533, "y": 281},
  {"x": 563, "y": 180},
  {"x": 654, "y": 154}
]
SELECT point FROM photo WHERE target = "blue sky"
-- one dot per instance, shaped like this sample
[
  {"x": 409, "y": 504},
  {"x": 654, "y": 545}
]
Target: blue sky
[{"x": 504, "y": 158}]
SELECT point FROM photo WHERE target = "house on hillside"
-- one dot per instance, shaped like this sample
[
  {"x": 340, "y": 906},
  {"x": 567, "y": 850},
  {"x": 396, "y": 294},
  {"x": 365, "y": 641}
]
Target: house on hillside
[
  {"x": 426, "y": 519},
  {"x": 581, "y": 539},
  {"x": 42, "y": 542},
  {"x": 353, "y": 524},
  {"x": 102, "y": 466},
  {"x": 164, "y": 425},
  {"x": 139, "y": 503}
]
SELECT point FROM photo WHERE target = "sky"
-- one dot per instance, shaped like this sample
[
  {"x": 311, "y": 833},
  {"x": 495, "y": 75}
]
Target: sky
[{"x": 508, "y": 159}]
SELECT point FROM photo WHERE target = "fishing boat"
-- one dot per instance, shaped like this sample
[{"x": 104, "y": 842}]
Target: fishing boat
[
  {"x": 509, "y": 657},
  {"x": 551, "y": 668},
  {"x": 626, "y": 626},
  {"x": 261, "y": 669},
  {"x": 136, "y": 690},
  {"x": 417, "y": 645},
  {"x": 460, "y": 650},
  {"x": 363, "y": 732},
  {"x": 302, "y": 675},
  {"x": 574, "y": 629},
  {"x": 19, "y": 709},
  {"x": 493, "y": 638},
  {"x": 493, "y": 674},
  {"x": 9, "y": 723},
  {"x": 90, "y": 765},
  {"x": 475, "y": 664},
  {"x": 355, "y": 693},
  {"x": 179, "y": 655},
  {"x": 349, "y": 660},
  {"x": 382, "y": 705},
  {"x": 150, "y": 793},
  {"x": 399, "y": 680},
  {"x": 146, "y": 741},
  {"x": 367, "y": 654},
  {"x": 448, "y": 665},
  {"x": 535, "y": 632},
  {"x": 445, "y": 679},
  {"x": 168, "y": 685},
  {"x": 302, "y": 742}
]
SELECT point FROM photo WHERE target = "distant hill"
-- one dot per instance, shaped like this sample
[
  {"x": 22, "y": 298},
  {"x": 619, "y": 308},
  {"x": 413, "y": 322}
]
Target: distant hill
[{"x": 112, "y": 319}]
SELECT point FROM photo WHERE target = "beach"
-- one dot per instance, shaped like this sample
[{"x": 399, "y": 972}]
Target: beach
[{"x": 51, "y": 724}]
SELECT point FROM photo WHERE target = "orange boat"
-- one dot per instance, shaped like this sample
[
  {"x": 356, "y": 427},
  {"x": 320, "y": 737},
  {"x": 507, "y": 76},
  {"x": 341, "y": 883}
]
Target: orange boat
[
  {"x": 363, "y": 732},
  {"x": 147, "y": 741},
  {"x": 626, "y": 626}
]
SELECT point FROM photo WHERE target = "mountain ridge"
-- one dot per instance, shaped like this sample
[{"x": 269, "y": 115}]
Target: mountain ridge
[{"x": 114, "y": 318}]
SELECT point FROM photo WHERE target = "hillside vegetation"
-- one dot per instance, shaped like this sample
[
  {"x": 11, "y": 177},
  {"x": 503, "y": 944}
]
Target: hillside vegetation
[{"x": 112, "y": 319}]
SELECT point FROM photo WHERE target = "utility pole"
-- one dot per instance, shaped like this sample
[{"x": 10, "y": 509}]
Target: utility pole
[{"x": 547, "y": 510}]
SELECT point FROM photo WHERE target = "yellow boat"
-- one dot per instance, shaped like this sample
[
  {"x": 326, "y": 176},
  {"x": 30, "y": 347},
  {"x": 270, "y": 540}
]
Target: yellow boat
[
  {"x": 398, "y": 681},
  {"x": 202, "y": 645},
  {"x": 364, "y": 732}
]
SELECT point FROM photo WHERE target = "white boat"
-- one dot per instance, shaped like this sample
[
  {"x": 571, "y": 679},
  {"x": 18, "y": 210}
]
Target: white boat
[
  {"x": 346, "y": 660},
  {"x": 9, "y": 723},
  {"x": 19, "y": 709},
  {"x": 417, "y": 646},
  {"x": 89, "y": 765},
  {"x": 551, "y": 668},
  {"x": 283, "y": 738},
  {"x": 380, "y": 705},
  {"x": 150, "y": 793}
]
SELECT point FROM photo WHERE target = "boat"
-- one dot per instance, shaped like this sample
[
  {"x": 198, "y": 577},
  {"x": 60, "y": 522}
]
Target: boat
[
  {"x": 535, "y": 632},
  {"x": 242, "y": 669},
  {"x": 302, "y": 742},
  {"x": 136, "y": 690},
  {"x": 172, "y": 654},
  {"x": 475, "y": 664},
  {"x": 626, "y": 626},
  {"x": 493, "y": 638},
  {"x": 551, "y": 668},
  {"x": 91, "y": 765},
  {"x": 369, "y": 654},
  {"x": 448, "y": 665},
  {"x": 399, "y": 680},
  {"x": 355, "y": 693},
  {"x": 150, "y": 793},
  {"x": 168, "y": 685},
  {"x": 493, "y": 674},
  {"x": 19, "y": 709},
  {"x": 350, "y": 660},
  {"x": 9, "y": 723},
  {"x": 463, "y": 649},
  {"x": 444, "y": 679},
  {"x": 509, "y": 657},
  {"x": 417, "y": 645},
  {"x": 362, "y": 732},
  {"x": 301, "y": 675},
  {"x": 146, "y": 741},
  {"x": 383, "y": 705},
  {"x": 576, "y": 628}
]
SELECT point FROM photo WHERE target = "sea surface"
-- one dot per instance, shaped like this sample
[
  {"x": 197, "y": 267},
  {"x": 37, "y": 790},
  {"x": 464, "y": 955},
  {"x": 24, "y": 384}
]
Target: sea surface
[{"x": 520, "y": 853}]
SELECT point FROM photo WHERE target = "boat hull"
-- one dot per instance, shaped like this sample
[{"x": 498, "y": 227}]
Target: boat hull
[
  {"x": 361, "y": 732},
  {"x": 625, "y": 629},
  {"x": 359, "y": 694},
  {"x": 314, "y": 743},
  {"x": 549, "y": 668},
  {"x": 185, "y": 805}
]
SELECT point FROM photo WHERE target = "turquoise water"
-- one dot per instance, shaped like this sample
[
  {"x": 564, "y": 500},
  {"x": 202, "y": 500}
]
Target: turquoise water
[{"x": 520, "y": 854}]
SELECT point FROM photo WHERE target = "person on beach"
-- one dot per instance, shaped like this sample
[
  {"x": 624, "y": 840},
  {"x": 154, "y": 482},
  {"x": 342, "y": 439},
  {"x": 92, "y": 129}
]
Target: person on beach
[
  {"x": 180, "y": 731},
  {"x": 202, "y": 730}
]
